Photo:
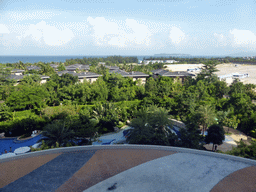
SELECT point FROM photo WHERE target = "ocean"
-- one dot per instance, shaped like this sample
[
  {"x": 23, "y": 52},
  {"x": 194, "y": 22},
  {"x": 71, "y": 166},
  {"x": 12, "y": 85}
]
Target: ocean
[{"x": 48, "y": 59}]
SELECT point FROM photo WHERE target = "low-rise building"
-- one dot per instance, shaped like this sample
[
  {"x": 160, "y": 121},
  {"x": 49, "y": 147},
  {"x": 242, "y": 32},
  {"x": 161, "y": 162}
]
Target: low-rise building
[
  {"x": 54, "y": 66},
  {"x": 112, "y": 68},
  {"x": 33, "y": 67},
  {"x": 91, "y": 77},
  {"x": 17, "y": 72},
  {"x": 180, "y": 74},
  {"x": 135, "y": 75},
  {"x": 18, "y": 78},
  {"x": 77, "y": 67}
]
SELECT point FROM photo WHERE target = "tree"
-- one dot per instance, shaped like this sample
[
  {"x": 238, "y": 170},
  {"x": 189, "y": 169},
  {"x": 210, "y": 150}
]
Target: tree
[
  {"x": 27, "y": 97},
  {"x": 61, "y": 67},
  {"x": 216, "y": 135},
  {"x": 5, "y": 112},
  {"x": 191, "y": 136},
  {"x": 206, "y": 116},
  {"x": 31, "y": 80},
  {"x": 208, "y": 71},
  {"x": 86, "y": 127},
  {"x": 67, "y": 79},
  {"x": 152, "y": 126},
  {"x": 57, "y": 131},
  {"x": 244, "y": 150},
  {"x": 108, "y": 116}
]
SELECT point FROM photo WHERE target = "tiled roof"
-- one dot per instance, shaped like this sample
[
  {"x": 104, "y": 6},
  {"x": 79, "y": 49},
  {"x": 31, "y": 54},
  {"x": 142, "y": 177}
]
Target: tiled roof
[
  {"x": 111, "y": 67},
  {"x": 77, "y": 66},
  {"x": 177, "y": 73},
  {"x": 129, "y": 74},
  {"x": 87, "y": 75},
  {"x": 158, "y": 71},
  {"x": 18, "y": 77},
  {"x": 137, "y": 73},
  {"x": 53, "y": 65},
  {"x": 17, "y": 70},
  {"x": 80, "y": 75},
  {"x": 15, "y": 77},
  {"x": 163, "y": 72},
  {"x": 97, "y": 168},
  {"x": 60, "y": 73},
  {"x": 33, "y": 68}
]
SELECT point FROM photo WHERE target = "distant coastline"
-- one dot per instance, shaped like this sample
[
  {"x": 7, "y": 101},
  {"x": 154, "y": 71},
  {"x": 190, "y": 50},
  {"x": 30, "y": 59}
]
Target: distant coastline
[{"x": 62, "y": 58}]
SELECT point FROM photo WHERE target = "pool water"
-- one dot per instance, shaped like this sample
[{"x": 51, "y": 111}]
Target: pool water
[{"x": 14, "y": 144}]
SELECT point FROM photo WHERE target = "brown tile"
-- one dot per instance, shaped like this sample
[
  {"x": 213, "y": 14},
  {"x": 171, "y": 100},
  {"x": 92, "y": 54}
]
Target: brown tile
[
  {"x": 107, "y": 163},
  {"x": 15, "y": 169},
  {"x": 239, "y": 181}
]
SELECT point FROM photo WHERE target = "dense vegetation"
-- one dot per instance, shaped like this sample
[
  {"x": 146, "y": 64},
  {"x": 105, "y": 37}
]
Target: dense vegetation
[{"x": 65, "y": 110}]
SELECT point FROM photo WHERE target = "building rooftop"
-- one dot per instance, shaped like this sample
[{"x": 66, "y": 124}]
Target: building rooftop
[
  {"x": 77, "y": 66},
  {"x": 17, "y": 70},
  {"x": 33, "y": 67},
  {"x": 127, "y": 168},
  {"x": 80, "y": 75},
  {"x": 129, "y": 74},
  {"x": 167, "y": 73}
]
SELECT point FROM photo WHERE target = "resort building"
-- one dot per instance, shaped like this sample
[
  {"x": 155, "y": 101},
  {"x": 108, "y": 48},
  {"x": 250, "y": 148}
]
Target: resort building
[
  {"x": 91, "y": 77},
  {"x": 33, "y": 67},
  {"x": 112, "y": 68},
  {"x": 54, "y": 66},
  {"x": 78, "y": 67},
  {"x": 180, "y": 74},
  {"x": 18, "y": 78},
  {"x": 17, "y": 72},
  {"x": 135, "y": 75}
]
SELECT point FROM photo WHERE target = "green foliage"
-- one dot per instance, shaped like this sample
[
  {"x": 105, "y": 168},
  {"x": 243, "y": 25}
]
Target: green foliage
[
  {"x": 61, "y": 67},
  {"x": 150, "y": 127},
  {"x": 108, "y": 116},
  {"x": 244, "y": 150},
  {"x": 216, "y": 135},
  {"x": 191, "y": 136},
  {"x": 27, "y": 97},
  {"x": 5, "y": 112},
  {"x": 57, "y": 131},
  {"x": 31, "y": 80},
  {"x": 22, "y": 125},
  {"x": 206, "y": 116}
]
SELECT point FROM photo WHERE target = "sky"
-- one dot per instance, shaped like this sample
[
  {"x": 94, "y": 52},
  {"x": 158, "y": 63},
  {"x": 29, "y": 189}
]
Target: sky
[{"x": 134, "y": 27}]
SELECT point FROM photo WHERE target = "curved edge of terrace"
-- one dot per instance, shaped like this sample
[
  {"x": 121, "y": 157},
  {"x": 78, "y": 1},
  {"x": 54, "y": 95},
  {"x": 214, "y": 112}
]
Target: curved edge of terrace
[{"x": 126, "y": 168}]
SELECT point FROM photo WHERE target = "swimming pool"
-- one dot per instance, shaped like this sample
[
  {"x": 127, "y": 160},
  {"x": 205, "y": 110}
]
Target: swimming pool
[{"x": 14, "y": 143}]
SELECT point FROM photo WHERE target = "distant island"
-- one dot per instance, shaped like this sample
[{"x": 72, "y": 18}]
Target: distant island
[{"x": 173, "y": 54}]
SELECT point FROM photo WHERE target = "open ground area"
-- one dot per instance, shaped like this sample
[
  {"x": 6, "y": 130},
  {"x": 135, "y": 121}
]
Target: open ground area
[
  {"x": 182, "y": 67},
  {"x": 226, "y": 69}
]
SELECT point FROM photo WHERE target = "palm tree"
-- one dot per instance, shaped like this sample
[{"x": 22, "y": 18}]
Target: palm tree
[
  {"x": 59, "y": 132},
  {"x": 151, "y": 124},
  {"x": 206, "y": 116}
]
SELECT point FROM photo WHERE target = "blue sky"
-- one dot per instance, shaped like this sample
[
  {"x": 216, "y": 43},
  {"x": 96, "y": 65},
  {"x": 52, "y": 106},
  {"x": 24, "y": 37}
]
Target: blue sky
[{"x": 135, "y": 27}]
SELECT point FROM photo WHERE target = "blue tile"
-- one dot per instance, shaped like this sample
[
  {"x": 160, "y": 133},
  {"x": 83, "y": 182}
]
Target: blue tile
[{"x": 51, "y": 175}]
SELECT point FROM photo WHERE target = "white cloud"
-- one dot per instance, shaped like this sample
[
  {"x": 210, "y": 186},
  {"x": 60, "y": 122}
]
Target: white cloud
[
  {"x": 243, "y": 37},
  {"x": 19, "y": 16},
  {"x": 219, "y": 37},
  {"x": 119, "y": 33},
  {"x": 3, "y": 29},
  {"x": 176, "y": 35},
  {"x": 49, "y": 34}
]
